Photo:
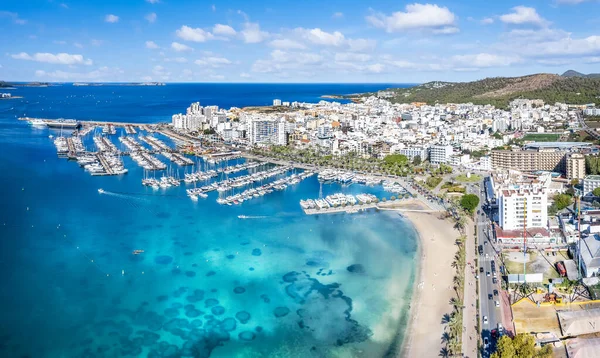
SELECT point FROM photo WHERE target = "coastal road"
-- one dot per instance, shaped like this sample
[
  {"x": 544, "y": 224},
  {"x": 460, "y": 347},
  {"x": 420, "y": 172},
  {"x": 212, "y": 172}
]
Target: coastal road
[
  {"x": 487, "y": 299},
  {"x": 470, "y": 334}
]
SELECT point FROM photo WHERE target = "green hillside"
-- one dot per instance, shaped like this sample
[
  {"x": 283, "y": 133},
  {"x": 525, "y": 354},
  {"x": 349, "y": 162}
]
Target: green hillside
[{"x": 499, "y": 91}]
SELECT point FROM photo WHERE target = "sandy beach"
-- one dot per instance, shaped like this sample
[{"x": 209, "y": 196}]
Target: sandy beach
[{"x": 433, "y": 286}]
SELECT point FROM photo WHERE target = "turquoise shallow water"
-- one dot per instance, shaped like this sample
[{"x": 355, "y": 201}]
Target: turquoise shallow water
[{"x": 207, "y": 284}]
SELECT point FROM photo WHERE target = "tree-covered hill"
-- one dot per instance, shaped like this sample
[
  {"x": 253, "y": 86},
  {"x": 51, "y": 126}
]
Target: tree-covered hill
[{"x": 499, "y": 91}]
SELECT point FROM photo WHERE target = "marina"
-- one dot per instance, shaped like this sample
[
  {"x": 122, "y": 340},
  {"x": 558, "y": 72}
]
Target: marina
[
  {"x": 240, "y": 167},
  {"x": 148, "y": 161},
  {"x": 132, "y": 144},
  {"x": 337, "y": 203},
  {"x": 104, "y": 145},
  {"x": 155, "y": 143},
  {"x": 344, "y": 177},
  {"x": 178, "y": 158},
  {"x": 279, "y": 184}
]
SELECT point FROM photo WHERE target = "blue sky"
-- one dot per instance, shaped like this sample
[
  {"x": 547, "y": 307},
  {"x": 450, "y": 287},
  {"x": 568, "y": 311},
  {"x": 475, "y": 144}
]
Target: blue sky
[{"x": 294, "y": 41}]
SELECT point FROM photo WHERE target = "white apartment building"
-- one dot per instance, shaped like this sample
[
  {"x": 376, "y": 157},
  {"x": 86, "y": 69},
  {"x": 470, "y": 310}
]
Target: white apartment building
[
  {"x": 590, "y": 183},
  {"x": 523, "y": 206},
  {"x": 440, "y": 154},
  {"x": 276, "y": 102},
  {"x": 267, "y": 131},
  {"x": 485, "y": 163},
  {"x": 412, "y": 152}
]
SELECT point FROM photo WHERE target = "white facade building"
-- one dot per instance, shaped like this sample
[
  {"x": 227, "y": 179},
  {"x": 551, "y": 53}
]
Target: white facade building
[
  {"x": 267, "y": 131},
  {"x": 590, "y": 183},
  {"x": 485, "y": 163},
  {"x": 412, "y": 152},
  {"x": 440, "y": 154},
  {"x": 276, "y": 102},
  {"x": 523, "y": 206}
]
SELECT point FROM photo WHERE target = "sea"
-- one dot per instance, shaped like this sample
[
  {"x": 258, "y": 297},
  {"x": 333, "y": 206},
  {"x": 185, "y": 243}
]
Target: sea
[{"x": 260, "y": 279}]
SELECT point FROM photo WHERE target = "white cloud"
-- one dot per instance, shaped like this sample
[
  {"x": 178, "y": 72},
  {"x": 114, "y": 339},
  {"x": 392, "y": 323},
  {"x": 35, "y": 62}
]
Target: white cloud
[
  {"x": 111, "y": 18},
  {"x": 591, "y": 60},
  {"x": 416, "y": 16},
  {"x": 567, "y": 47},
  {"x": 359, "y": 45},
  {"x": 213, "y": 7},
  {"x": 448, "y": 30},
  {"x": 95, "y": 42},
  {"x": 337, "y": 15},
  {"x": 245, "y": 75},
  {"x": 179, "y": 47},
  {"x": 523, "y": 15},
  {"x": 481, "y": 60},
  {"x": 176, "y": 59},
  {"x": 213, "y": 61},
  {"x": 570, "y": 2},
  {"x": 351, "y": 57},
  {"x": 161, "y": 72},
  {"x": 151, "y": 45},
  {"x": 225, "y": 30},
  {"x": 59, "y": 42},
  {"x": 253, "y": 34},
  {"x": 193, "y": 34},
  {"x": 153, "y": 1},
  {"x": 64, "y": 6},
  {"x": 286, "y": 44},
  {"x": 56, "y": 59},
  {"x": 146, "y": 78},
  {"x": 151, "y": 17},
  {"x": 320, "y": 37},
  {"x": 376, "y": 68},
  {"x": 553, "y": 62},
  {"x": 14, "y": 16},
  {"x": 78, "y": 45},
  {"x": 280, "y": 61},
  {"x": 487, "y": 21},
  {"x": 216, "y": 77},
  {"x": 100, "y": 74}
]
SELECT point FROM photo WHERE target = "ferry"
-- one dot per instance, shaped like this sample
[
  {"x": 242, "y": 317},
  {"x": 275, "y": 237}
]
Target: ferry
[
  {"x": 100, "y": 191},
  {"x": 137, "y": 252},
  {"x": 39, "y": 123}
]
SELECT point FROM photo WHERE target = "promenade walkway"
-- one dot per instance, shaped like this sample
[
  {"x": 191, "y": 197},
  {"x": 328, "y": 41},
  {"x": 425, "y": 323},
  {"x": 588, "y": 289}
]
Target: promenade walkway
[{"x": 470, "y": 334}]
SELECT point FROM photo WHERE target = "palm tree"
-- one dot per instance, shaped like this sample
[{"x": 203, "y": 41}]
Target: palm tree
[{"x": 444, "y": 352}]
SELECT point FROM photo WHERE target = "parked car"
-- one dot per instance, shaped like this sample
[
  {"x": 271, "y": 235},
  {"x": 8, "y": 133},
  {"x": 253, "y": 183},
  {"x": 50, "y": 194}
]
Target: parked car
[
  {"x": 485, "y": 320},
  {"x": 495, "y": 292},
  {"x": 497, "y": 303}
]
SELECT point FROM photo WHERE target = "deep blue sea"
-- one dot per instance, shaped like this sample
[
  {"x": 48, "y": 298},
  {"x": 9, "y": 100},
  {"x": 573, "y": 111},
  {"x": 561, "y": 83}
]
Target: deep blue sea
[{"x": 208, "y": 283}]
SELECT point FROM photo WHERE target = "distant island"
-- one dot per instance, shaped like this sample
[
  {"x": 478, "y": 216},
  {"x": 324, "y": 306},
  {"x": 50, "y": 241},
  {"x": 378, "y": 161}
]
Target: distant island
[
  {"x": 572, "y": 87},
  {"x": 119, "y": 84},
  {"x": 4, "y": 84}
]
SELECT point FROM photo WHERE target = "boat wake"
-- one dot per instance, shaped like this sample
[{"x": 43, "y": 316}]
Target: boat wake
[
  {"x": 251, "y": 217},
  {"x": 131, "y": 198}
]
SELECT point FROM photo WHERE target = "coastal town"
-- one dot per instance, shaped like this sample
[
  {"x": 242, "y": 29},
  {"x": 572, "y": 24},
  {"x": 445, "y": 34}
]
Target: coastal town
[{"x": 531, "y": 166}]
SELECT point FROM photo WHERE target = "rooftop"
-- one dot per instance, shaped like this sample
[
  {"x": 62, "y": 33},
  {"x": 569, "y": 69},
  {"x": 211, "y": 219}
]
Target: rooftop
[{"x": 558, "y": 145}]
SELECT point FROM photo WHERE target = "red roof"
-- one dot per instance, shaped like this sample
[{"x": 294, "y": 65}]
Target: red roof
[{"x": 518, "y": 234}]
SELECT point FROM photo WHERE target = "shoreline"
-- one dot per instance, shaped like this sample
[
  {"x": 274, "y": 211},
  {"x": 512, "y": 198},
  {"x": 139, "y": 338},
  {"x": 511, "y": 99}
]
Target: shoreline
[{"x": 435, "y": 247}]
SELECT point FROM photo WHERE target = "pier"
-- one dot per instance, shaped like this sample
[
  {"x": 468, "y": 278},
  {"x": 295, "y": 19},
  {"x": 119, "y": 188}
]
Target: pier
[
  {"x": 130, "y": 129},
  {"x": 350, "y": 209},
  {"x": 107, "y": 168}
]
